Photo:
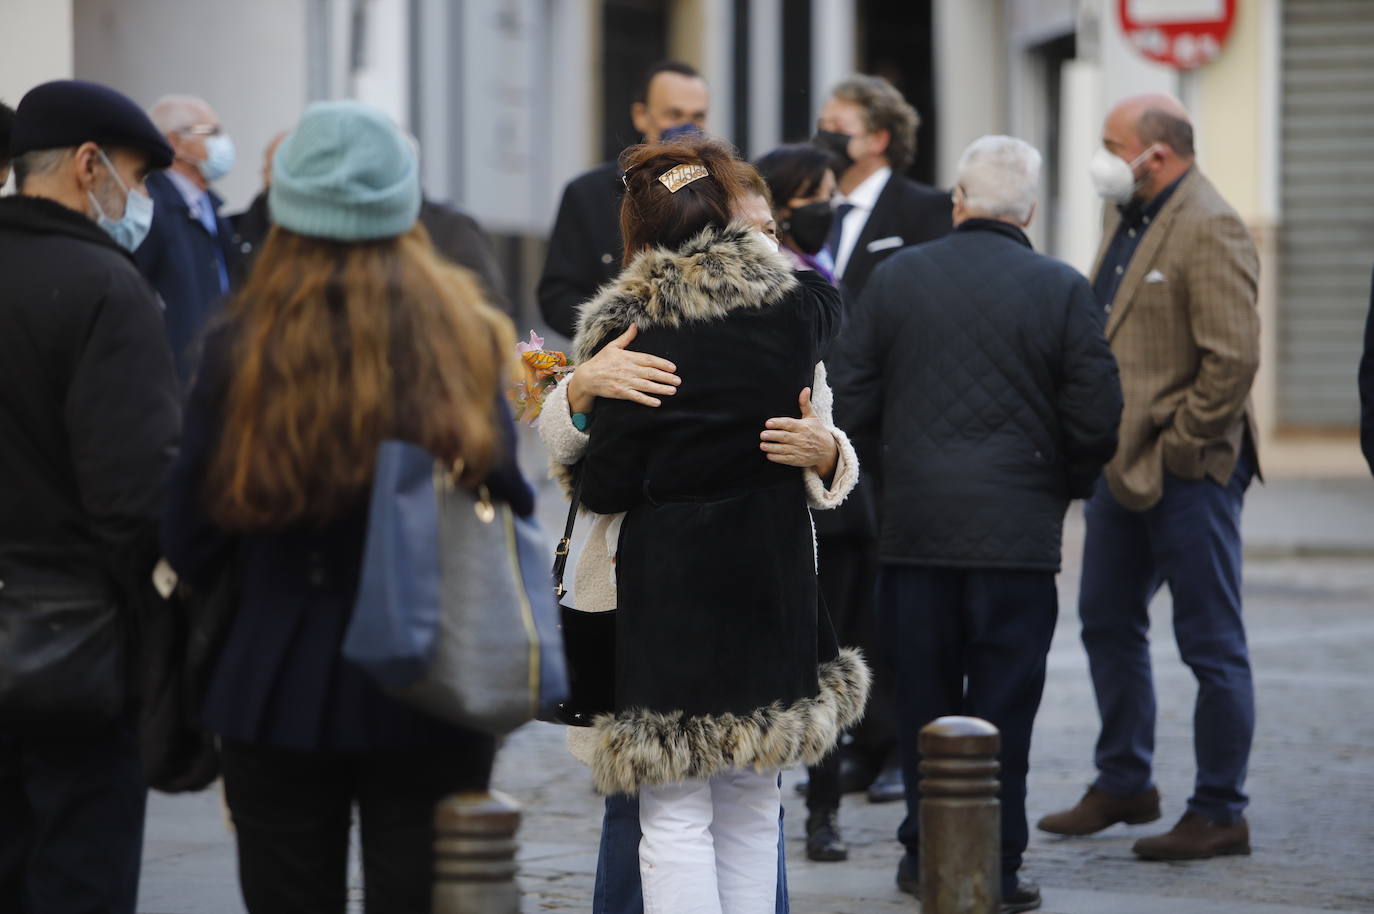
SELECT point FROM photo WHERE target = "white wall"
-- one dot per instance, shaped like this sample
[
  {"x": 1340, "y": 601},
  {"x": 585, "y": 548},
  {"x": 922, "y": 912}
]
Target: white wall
[
  {"x": 35, "y": 46},
  {"x": 248, "y": 59},
  {"x": 383, "y": 77},
  {"x": 970, "y": 81},
  {"x": 833, "y": 47}
]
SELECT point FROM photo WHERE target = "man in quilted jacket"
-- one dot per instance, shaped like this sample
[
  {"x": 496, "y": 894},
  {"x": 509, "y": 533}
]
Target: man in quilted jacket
[{"x": 983, "y": 366}]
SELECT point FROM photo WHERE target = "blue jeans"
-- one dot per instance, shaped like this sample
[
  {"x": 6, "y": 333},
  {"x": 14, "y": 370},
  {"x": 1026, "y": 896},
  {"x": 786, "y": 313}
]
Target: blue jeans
[
  {"x": 1190, "y": 540},
  {"x": 969, "y": 641},
  {"x": 617, "y": 888}
]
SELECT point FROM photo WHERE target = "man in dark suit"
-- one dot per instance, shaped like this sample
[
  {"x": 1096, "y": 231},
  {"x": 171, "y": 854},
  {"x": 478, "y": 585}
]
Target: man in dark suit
[
  {"x": 584, "y": 248},
  {"x": 189, "y": 255},
  {"x": 871, "y": 130}
]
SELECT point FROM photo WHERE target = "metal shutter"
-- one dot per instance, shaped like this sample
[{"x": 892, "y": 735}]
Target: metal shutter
[{"x": 1326, "y": 241}]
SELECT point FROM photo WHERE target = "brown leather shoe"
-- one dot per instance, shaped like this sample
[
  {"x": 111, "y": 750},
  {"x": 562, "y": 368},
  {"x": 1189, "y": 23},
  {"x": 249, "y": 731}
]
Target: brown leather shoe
[
  {"x": 1098, "y": 810},
  {"x": 1195, "y": 837}
]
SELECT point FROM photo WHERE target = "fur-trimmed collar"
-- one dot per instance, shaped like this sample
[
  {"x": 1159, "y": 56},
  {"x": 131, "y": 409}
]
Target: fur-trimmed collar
[{"x": 716, "y": 272}]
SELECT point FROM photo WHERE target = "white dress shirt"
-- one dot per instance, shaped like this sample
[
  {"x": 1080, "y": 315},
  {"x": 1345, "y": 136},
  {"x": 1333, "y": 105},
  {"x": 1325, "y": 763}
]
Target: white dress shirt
[{"x": 863, "y": 199}]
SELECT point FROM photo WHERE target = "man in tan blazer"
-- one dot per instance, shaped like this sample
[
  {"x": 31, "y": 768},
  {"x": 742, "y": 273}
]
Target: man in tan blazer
[{"x": 1176, "y": 276}]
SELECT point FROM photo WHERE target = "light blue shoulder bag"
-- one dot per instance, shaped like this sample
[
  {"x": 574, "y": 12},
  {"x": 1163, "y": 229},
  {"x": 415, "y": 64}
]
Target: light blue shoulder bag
[{"x": 455, "y": 611}]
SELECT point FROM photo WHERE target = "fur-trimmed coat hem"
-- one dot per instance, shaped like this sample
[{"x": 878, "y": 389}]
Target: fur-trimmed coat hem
[{"x": 641, "y": 748}]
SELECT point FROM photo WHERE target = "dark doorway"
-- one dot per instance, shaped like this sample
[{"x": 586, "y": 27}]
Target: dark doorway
[
  {"x": 797, "y": 117},
  {"x": 634, "y": 38},
  {"x": 895, "y": 42}
]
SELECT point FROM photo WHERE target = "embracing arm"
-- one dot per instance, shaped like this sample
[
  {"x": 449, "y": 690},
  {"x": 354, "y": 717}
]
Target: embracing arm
[
  {"x": 829, "y": 464},
  {"x": 821, "y": 301},
  {"x": 614, "y": 373},
  {"x": 617, "y": 453}
]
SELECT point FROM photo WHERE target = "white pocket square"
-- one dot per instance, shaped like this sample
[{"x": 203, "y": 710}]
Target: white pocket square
[
  {"x": 883, "y": 244},
  {"x": 1155, "y": 276}
]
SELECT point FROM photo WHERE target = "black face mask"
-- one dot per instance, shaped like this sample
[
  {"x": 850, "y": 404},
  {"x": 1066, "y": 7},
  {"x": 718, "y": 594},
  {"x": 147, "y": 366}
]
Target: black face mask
[
  {"x": 837, "y": 144},
  {"x": 809, "y": 226}
]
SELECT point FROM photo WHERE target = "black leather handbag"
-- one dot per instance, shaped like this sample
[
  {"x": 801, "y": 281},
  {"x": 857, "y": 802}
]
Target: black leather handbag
[
  {"x": 63, "y": 648},
  {"x": 588, "y": 641},
  {"x": 182, "y": 640}
]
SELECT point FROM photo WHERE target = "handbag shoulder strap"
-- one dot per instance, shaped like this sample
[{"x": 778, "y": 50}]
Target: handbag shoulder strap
[{"x": 560, "y": 555}]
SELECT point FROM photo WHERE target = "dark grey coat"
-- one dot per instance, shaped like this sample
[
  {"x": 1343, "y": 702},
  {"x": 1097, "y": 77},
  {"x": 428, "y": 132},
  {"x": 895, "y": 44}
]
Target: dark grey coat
[{"x": 984, "y": 369}]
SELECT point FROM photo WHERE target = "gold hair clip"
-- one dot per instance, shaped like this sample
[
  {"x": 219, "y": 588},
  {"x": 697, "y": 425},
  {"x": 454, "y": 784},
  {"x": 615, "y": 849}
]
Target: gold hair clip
[{"x": 675, "y": 179}]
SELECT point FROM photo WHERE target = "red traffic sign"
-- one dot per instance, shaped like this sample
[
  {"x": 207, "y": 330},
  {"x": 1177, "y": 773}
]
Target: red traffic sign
[{"x": 1185, "y": 34}]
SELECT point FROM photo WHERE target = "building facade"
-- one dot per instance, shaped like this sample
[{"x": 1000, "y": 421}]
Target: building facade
[{"x": 509, "y": 99}]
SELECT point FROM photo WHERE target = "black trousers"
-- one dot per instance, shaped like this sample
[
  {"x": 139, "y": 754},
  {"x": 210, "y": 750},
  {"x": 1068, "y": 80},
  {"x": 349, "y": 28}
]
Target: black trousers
[
  {"x": 849, "y": 583},
  {"x": 71, "y": 821},
  {"x": 292, "y": 811},
  {"x": 970, "y": 642}
]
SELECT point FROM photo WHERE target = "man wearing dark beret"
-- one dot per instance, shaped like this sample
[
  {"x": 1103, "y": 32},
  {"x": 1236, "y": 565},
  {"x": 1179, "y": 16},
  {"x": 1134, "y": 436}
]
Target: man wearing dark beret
[{"x": 89, "y": 422}]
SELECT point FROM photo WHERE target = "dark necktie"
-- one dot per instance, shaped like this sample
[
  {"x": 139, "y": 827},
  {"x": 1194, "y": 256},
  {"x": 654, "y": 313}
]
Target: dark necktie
[
  {"x": 205, "y": 212},
  {"x": 832, "y": 241}
]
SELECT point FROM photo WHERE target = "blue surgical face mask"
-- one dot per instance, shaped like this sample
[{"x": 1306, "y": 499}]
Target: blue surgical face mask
[
  {"x": 129, "y": 230},
  {"x": 219, "y": 157},
  {"x": 687, "y": 131}
]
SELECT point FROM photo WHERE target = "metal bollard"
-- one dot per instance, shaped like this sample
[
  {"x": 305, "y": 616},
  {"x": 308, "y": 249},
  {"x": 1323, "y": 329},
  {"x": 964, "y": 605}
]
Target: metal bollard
[
  {"x": 474, "y": 859},
  {"x": 961, "y": 827}
]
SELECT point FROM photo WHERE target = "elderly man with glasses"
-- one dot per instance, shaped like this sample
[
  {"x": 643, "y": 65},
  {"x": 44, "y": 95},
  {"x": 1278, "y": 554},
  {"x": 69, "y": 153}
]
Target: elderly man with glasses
[
  {"x": 983, "y": 367},
  {"x": 189, "y": 254}
]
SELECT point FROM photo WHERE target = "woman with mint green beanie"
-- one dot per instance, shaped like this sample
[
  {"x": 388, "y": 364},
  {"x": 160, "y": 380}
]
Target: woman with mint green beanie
[{"x": 349, "y": 330}]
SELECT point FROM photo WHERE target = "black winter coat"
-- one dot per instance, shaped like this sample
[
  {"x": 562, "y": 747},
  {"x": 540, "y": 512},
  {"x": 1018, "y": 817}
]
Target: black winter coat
[
  {"x": 585, "y": 248},
  {"x": 716, "y": 639},
  {"x": 984, "y": 367},
  {"x": 89, "y": 402}
]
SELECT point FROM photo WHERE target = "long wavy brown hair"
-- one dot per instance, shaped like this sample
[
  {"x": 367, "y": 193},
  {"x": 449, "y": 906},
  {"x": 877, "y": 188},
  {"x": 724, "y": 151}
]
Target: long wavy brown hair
[{"x": 338, "y": 346}]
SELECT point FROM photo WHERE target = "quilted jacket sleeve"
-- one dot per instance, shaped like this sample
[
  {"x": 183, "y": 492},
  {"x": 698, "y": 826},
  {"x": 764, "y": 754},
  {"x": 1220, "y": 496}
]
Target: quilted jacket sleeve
[
  {"x": 860, "y": 360},
  {"x": 1088, "y": 401}
]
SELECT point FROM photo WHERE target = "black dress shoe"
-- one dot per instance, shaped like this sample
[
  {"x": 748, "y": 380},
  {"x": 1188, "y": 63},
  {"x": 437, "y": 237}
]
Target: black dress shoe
[
  {"x": 888, "y": 786},
  {"x": 1025, "y": 897},
  {"x": 823, "y": 841},
  {"x": 909, "y": 875}
]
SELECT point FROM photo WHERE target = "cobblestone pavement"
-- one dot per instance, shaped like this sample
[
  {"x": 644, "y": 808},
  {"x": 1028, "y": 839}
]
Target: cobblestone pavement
[
  {"x": 1311, "y": 628},
  {"x": 1312, "y": 815}
]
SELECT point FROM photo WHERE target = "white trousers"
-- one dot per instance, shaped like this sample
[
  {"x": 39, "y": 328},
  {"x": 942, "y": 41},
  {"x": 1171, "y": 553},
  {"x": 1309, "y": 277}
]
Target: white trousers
[{"x": 711, "y": 847}]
